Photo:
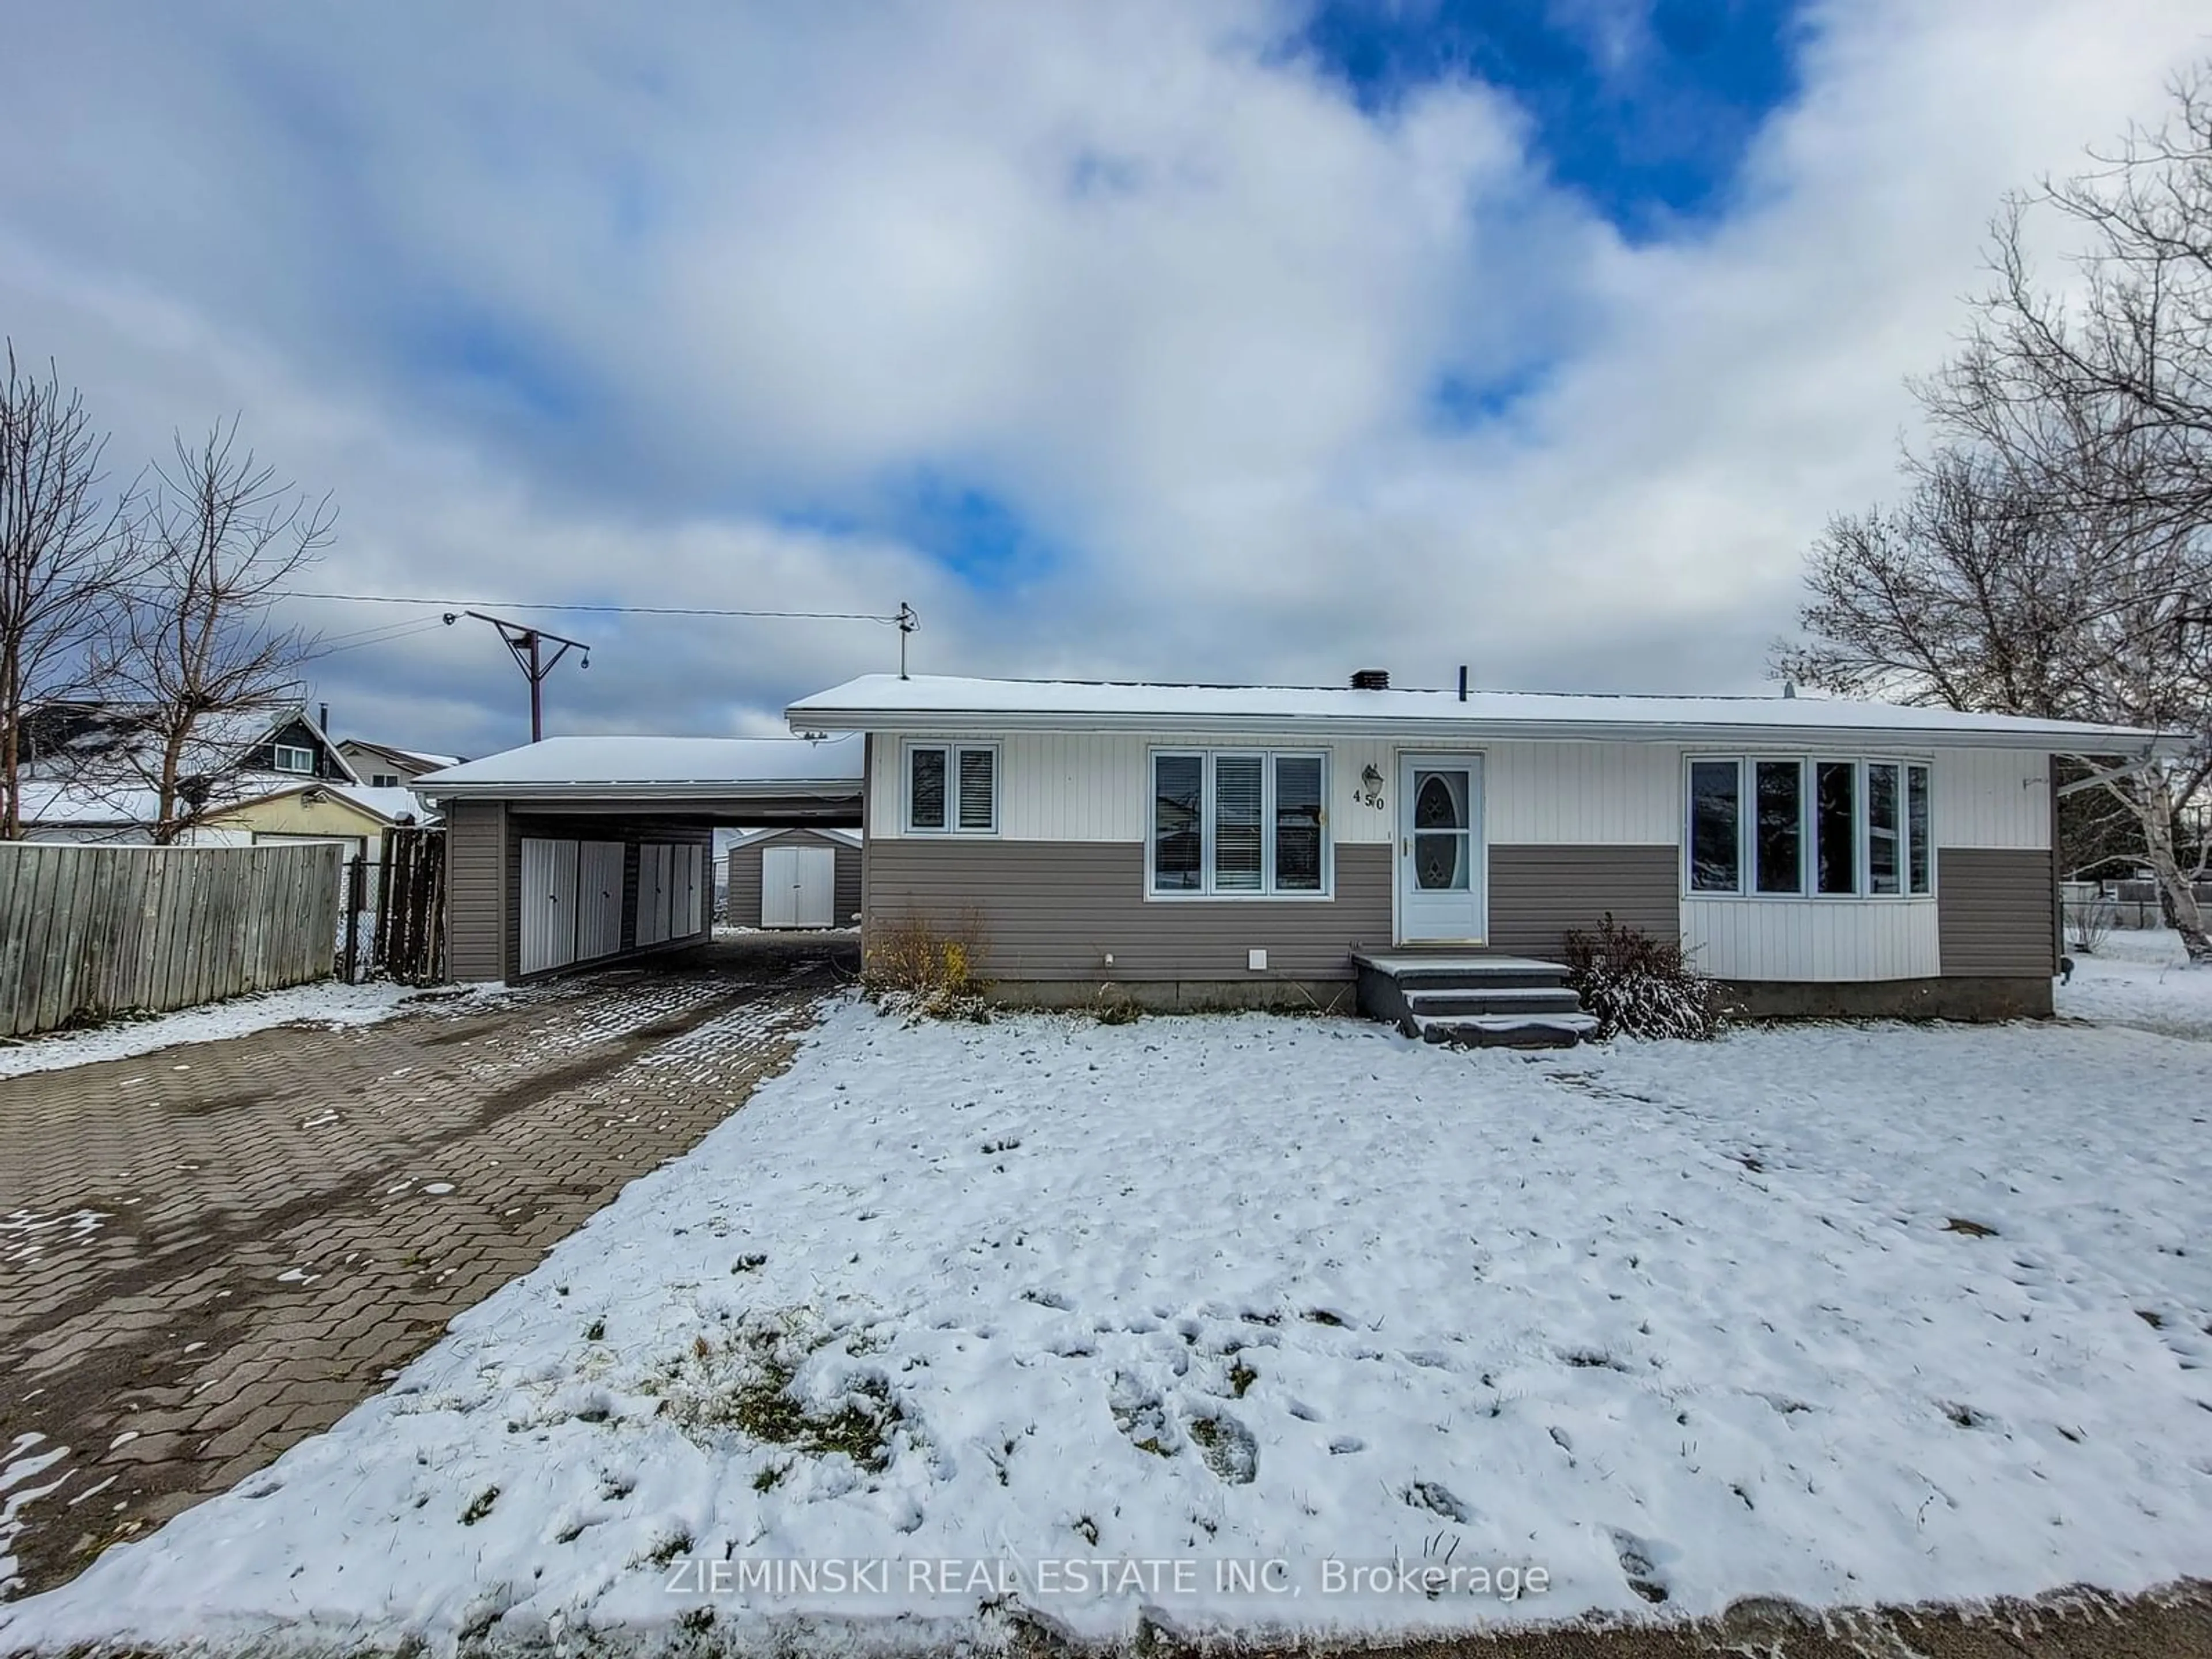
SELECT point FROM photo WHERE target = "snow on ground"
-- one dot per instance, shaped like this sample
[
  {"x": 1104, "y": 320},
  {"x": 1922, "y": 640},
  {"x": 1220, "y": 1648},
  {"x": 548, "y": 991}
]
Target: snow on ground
[
  {"x": 2141, "y": 978},
  {"x": 327, "y": 1002},
  {"x": 1845, "y": 1313}
]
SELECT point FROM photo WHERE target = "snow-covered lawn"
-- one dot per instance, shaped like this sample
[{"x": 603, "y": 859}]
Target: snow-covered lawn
[
  {"x": 1843, "y": 1313},
  {"x": 2141, "y": 978},
  {"x": 327, "y": 1002}
]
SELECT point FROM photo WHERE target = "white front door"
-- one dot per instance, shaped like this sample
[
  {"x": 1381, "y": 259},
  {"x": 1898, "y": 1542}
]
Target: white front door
[{"x": 1442, "y": 863}]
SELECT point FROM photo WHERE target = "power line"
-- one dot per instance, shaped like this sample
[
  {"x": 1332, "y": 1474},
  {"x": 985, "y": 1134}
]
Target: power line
[
  {"x": 604, "y": 610},
  {"x": 377, "y": 636}
]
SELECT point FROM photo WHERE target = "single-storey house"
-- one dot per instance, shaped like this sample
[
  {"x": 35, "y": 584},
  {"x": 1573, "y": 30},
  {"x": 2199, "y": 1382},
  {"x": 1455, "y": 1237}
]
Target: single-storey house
[
  {"x": 794, "y": 877},
  {"x": 595, "y": 849},
  {"x": 1200, "y": 846}
]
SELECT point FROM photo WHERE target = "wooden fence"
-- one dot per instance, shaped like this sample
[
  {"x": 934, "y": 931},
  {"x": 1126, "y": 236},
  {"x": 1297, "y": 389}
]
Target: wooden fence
[
  {"x": 395, "y": 910},
  {"x": 86, "y": 932}
]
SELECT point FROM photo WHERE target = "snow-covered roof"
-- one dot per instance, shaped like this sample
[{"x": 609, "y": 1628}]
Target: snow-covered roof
[
  {"x": 887, "y": 702},
  {"x": 419, "y": 759},
  {"x": 111, "y": 745},
  {"x": 843, "y": 837},
  {"x": 392, "y": 804},
  {"x": 82, "y": 803},
  {"x": 657, "y": 767}
]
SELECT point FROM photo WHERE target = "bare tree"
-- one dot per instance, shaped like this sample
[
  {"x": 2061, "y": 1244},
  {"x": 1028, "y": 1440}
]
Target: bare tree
[
  {"x": 2104, "y": 390},
  {"x": 1980, "y": 593},
  {"x": 197, "y": 648},
  {"x": 2054, "y": 556},
  {"x": 62, "y": 560}
]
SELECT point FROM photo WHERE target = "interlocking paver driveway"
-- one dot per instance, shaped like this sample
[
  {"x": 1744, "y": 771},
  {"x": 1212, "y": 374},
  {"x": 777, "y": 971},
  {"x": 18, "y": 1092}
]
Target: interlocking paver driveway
[{"x": 211, "y": 1252}]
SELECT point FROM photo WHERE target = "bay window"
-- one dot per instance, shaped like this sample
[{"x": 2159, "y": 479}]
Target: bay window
[
  {"x": 1837, "y": 830},
  {"x": 1885, "y": 834},
  {"x": 1715, "y": 862},
  {"x": 1777, "y": 860},
  {"x": 1787, "y": 827},
  {"x": 1920, "y": 851},
  {"x": 1238, "y": 823}
]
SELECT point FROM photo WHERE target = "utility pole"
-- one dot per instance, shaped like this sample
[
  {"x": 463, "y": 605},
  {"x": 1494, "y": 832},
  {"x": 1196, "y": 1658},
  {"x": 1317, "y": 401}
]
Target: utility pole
[
  {"x": 526, "y": 644},
  {"x": 908, "y": 621}
]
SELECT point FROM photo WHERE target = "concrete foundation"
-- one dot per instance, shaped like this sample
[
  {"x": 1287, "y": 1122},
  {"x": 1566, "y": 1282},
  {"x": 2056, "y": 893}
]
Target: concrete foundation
[
  {"x": 1185, "y": 996},
  {"x": 1962, "y": 997}
]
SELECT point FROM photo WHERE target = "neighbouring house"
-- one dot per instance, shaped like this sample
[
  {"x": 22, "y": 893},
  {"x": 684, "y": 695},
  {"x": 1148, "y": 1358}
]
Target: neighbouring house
[
  {"x": 579, "y": 850},
  {"x": 357, "y": 815},
  {"x": 1205, "y": 846},
  {"x": 794, "y": 877},
  {"x": 91, "y": 772},
  {"x": 381, "y": 766}
]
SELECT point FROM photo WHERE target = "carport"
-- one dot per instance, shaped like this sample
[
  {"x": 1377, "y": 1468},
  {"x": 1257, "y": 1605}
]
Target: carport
[{"x": 592, "y": 850}]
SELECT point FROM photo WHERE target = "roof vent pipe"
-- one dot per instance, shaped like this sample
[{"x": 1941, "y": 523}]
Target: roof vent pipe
[
  {"x": 1370, "y": 679},
  {"x": 1462, "y": 681}
]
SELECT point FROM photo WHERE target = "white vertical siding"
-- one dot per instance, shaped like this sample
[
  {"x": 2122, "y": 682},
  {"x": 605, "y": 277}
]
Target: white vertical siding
[
  {"x": 1071, "y": 786},
  {"x": 1558, "y": 794},
  {"x": 1812, "y": 938},
  {"x": 1992, "y": 797},
  {"x": 1076, "y": 786}
]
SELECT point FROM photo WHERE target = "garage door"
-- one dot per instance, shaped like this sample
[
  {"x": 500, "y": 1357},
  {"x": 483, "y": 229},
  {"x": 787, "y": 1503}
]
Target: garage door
[
  {"x": 599, "y": 899},
  {"x": 655, "y": 863},
  {"x": 671, "y": 880},
  {"x": 548, "y": 904},
  {"x": 797, "y": 886}
]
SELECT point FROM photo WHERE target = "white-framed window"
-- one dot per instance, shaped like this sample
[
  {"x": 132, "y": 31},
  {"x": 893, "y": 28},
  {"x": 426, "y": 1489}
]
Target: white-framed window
[
  {"x": 1795, "y": 826},
  {"x": 1238, "y": 823},
  {"x": 292, "y": 758},
  {"x": 953, "y": 789}
]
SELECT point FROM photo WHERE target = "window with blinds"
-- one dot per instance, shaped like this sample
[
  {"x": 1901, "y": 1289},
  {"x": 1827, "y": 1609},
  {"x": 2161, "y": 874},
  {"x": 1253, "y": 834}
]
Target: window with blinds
[
  {"x": 979, "y": 794},
  {"x": 951, "y": 789},
  {"x": 1237, "y": 866},
  {"x": 1230, "y": 823}
]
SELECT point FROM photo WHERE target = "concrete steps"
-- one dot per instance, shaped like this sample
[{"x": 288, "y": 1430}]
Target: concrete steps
[{"x": 1473, "y": 1000}]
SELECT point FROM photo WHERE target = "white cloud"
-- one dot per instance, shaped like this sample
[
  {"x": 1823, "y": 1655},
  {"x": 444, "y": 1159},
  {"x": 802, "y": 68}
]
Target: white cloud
[{"x": 1134, "y": 269}]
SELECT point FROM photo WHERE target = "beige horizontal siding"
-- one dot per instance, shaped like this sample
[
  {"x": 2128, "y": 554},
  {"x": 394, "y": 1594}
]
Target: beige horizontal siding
[
  {"x": 1054, "y": 910},
  {"x": 1996, "y": 910},
  {"x": 476, "y": 892},
  {"x": 1538, "y": 893},
  {"x": 744, "y": 899}
]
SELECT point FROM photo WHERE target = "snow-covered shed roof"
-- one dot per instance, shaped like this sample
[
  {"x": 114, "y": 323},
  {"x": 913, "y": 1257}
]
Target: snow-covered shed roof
[
  {"x": 843, "y": 837},
  {"x": 660, "y": 768},
  {"x": 885, "y": 702}
]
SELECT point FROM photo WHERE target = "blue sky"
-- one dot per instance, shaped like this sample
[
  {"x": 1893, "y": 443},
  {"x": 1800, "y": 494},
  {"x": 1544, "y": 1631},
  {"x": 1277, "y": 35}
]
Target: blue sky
[
  {"x": 1185, "y": 339},
  {"x": 1646, "y": 112}
]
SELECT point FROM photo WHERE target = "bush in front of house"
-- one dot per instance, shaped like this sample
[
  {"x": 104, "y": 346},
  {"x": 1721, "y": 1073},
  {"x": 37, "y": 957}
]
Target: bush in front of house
[
  {"x": 917, "y": 965},
  {"x": 1638, "y": 985}
]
